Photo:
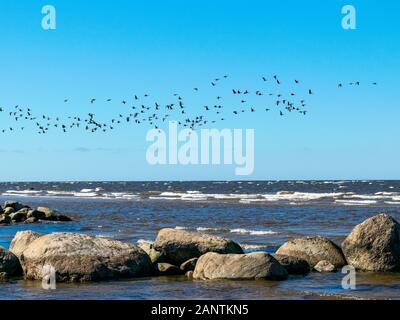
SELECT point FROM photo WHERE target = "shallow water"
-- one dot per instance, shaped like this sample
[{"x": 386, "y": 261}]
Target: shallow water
[{"x": 258, "y": 215}]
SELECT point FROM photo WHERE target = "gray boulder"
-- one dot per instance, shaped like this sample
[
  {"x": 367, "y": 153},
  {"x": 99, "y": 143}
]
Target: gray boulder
[
  {"x": 178, "y": 246},
  {"x": 374, "y": 245},
  {"x": 79, "y": 257},
  {"x": 293, "y": 265},
  {"x": 313, "y": 250},
  {"x": 256, "y": 265}
]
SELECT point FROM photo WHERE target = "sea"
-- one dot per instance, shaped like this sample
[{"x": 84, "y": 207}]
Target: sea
[{"x": 259, "y": 215}]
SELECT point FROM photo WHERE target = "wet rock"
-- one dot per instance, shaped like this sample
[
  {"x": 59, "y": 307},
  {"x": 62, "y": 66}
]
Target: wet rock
[
  {"x": 9, "y": 264},
  {"x": 189, "y": 265},
  {"x": 21, "y": 241},
  {"x": 166, "y": 269},
  {"x": 79, "y": 257},
  {"x": 189, "y": 274},
  {"x": 256, "y": 265},
  {"x": 293, "y": 265},
  {"x": 178, "y": 246},
  {"x": 313, "y": 250},
  {"x": 324, "y": 266},
  {"x": 374, "y": 245}
]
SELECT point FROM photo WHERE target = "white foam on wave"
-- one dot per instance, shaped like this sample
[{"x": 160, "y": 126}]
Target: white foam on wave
[
  {"x": 253, "y": 246},
  {"x": 253, "y": 232},
  {"x": 356, "y": 202}
]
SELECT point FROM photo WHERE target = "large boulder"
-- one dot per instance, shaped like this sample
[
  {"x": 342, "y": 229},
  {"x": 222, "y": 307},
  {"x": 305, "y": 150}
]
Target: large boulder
[
  {"x": 22, "y": 240},
  {"x": 178, "y": 246},
  {"x": 313, "y": 250},
  {"x": 79, "y": 257},
  {"x": 9, "y": 264},
  {"x": 256, "y": 265},
  {"x": 374, "y": 245},
  {"x": 293, "y": 265}
]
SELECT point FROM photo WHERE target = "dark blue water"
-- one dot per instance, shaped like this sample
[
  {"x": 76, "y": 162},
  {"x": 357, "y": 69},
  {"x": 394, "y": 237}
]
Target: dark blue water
[{"x": 258, "y": 215}]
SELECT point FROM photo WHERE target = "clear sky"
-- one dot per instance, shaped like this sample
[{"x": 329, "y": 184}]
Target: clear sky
[{"x": 124, "y": 47}]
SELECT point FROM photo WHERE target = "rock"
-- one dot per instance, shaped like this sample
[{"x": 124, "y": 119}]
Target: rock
[
  {"x": 324, "y": 266},
  {"x": 293, "y": 265},
  {"x": 15, "y": 205},
  {"x": 7, "y": 211},
  {"x": 1, "y": 210},
  {"x": 49, "y": 214},
  {"x": 313, "y": 250},
  {"x": 31, "y": 220},
  {"x": 374, "y": 245},
  {"x": 36, "y": 214},
  {"x": 79, "y": 257},
  {"x": 63, "y": 218},
  {"x": 189, "y": 265},
  {"x": 178, "y": 246},
  {"x": 9, "y": 264},
  {"x": 166, "y": 269},
  {"x": 239, "y": 266},
  {"x": 189, "y": 274},
  {"x": 152, "y": 253},
  {"x": 18, "y": 216},
  {"x": 21, "y": 241},
  {"x": 4, "y": 219}
]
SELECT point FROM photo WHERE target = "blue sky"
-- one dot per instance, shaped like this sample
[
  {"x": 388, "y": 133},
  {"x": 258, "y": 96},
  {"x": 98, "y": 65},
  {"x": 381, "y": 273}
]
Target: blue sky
[{"x": 121, "y": 48}]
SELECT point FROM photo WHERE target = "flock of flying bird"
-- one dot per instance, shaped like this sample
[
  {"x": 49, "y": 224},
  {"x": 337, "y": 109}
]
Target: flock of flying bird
[{"x": 142, "y": 110}]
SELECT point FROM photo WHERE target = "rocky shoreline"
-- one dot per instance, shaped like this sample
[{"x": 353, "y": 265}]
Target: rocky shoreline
[
  {"x": 373, "y": 245},
  {"x": 16, "y": 212}
]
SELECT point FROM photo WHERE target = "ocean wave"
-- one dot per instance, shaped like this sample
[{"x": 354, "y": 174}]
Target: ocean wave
[
  {"x": 228, "y": 230},
  {"x": 253, "y": 246},
  {"x": 253, "y": 232},
  {"x": 356, "y": 202}
]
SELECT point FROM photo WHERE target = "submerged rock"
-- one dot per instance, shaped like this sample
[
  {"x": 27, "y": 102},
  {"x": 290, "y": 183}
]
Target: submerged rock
[
  {"x": 293, "y": 265},
  {"x": 324, "y": 266},
  {"x": 374, "y": 245},
  {"x": 178, "y": 246},
  {"x": 79, "y": 257},
  {"x": 9, "y": 264},
  {"x": 313, "y": 250},
  {"x": 256, "y": 265}
]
